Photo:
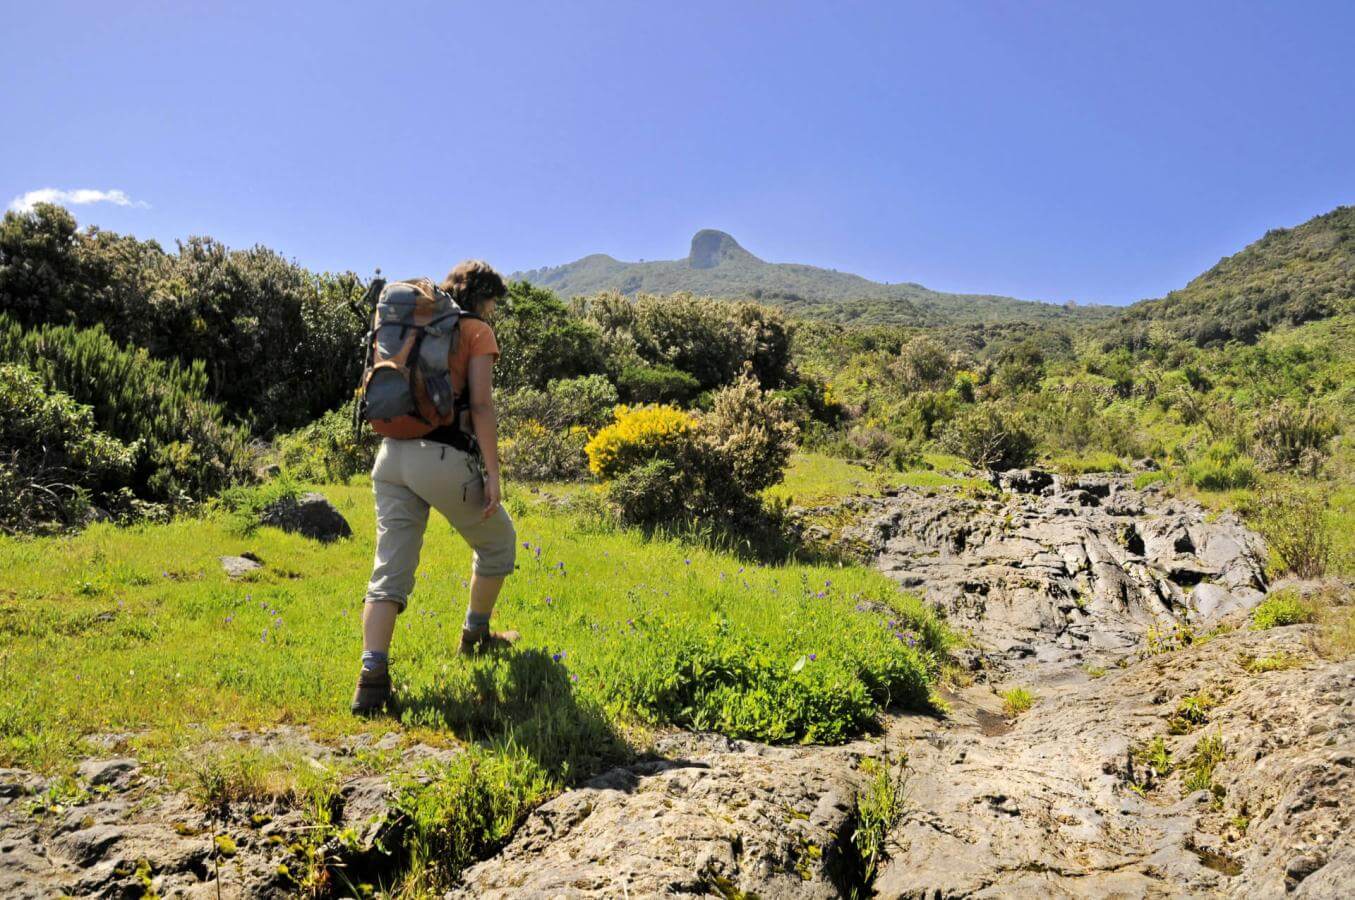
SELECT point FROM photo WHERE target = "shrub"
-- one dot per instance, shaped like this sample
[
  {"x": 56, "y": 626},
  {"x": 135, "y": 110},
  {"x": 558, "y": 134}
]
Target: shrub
[
  {"x": 1293, "y": 524},
  {"x": 585, "y": 402},
  {"x": 711, "y": 341},
  {"x": 186, "y": 449},
  {"x": 638, "y": 436},
  {"x": 989, "y": 439},
  {"x": 533, "y": 452},
  {"x": 922, "y": 364},
  {"x": 647, "y": 494},
  {"x": 811, "y": 402},
  {"x": 54, "y": 463},
  {"x": 541, "y": 341},
  {"x": 749, "y": 432},
  {"x": 1283, "y": 608},
  {"x": 329, "y": 450},
  {"x": 1221, "y": 467},
  {"x": 657, "y": 384},
  {"x": 716, "y": 680},
  {"x": 670, "y": 469},
  {"x": 1287, "y": 436}
]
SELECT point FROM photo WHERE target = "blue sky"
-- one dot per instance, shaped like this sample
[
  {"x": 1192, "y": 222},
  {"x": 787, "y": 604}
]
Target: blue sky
[{"x": 1091, "y": 151}]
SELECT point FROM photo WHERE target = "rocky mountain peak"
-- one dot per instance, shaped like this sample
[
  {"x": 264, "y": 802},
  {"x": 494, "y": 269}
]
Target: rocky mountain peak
[{"x": 710, "y": 248}]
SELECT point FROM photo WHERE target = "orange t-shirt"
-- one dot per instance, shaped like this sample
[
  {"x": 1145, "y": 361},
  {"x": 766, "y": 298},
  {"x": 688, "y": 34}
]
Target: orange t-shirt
[{"x": 476, "y": 339}]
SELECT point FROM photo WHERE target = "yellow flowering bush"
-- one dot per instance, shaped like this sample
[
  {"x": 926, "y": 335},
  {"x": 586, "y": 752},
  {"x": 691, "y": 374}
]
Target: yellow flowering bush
[{"x": 638, "y": 435}]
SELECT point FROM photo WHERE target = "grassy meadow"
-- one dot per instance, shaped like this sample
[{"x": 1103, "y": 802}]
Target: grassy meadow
[{"x": 138, "y": 630}]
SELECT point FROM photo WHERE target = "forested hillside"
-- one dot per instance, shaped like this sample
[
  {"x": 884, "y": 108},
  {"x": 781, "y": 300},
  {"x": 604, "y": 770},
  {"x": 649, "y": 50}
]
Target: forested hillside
[
  {"x": 717, "y": 266},
  {"x": 1289, "y": 276}
]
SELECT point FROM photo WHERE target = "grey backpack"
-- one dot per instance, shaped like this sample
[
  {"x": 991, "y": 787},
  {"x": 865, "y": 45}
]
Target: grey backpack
[{"x": 406, "y": 389}]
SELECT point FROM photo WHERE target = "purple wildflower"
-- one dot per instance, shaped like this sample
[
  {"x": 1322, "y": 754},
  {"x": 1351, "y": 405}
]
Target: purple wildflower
[
  {"x": 573, "y": 677},
  {"x": 549, "y": 601},
  {"x": 813, "y": 656},
  {"x": 526, "y": 545},
  {"x": 556, "y": 657},
  {"x": 230, "y": 619},
  {"x": 687, "y": 562}
]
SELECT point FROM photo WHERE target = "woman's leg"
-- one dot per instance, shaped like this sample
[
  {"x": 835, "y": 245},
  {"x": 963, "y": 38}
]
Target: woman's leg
[
  {"x": 449, "y": 480},
  {"x": 401, "y": 518},
  {"x": 484, "y": 591},
  {"x": 378, "y": 625}
]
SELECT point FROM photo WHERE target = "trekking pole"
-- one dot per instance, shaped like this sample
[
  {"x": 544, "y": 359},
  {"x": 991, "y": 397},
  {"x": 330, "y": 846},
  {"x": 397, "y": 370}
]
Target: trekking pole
[{"x": 367, "y": 311}]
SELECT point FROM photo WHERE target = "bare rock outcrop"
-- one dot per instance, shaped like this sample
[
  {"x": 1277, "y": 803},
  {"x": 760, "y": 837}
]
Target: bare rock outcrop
[
  {"x": 1060, "y": 569},
  {"x": 714, "y": 817}
]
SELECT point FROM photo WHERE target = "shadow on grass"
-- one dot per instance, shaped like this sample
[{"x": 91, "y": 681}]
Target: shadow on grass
[{"x": 526, "y": 698}]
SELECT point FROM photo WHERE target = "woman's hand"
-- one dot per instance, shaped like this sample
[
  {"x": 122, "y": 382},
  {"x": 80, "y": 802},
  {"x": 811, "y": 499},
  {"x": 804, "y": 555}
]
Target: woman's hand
[{"x": 493, "y": 495}]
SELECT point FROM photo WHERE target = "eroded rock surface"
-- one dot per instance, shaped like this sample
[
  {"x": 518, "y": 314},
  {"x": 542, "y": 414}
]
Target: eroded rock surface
[
  {"x": 713, "y": 817},
  {"x": 1063, "y": 805},
  {"x": 1064, "y": 568},
  {"x": 118, "y": 830}
]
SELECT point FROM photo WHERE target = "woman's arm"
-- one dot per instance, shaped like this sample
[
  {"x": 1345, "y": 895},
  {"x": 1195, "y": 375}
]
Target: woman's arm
[{"x": 480, "y": 375}]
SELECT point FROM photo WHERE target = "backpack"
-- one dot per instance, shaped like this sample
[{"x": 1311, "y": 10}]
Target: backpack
[{"x": 406, "y": 389}]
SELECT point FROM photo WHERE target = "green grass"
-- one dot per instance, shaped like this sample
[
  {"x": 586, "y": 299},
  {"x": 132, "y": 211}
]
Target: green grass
[
  {"x": 1199, "y": 769},
  {"x": 1283, "y": 608},
  {"x": 1191, "y": 712},
  {"x": 816, "y": 479},
  {"x": 1156, "y": 756},
  {"x": 1258, "y": 665},
  {"x": 1017, "y": 700},
  {"x": 139, "y": 630},
  {"x": 879, "y": 807},
  {"x": 1085, "y": 463}
]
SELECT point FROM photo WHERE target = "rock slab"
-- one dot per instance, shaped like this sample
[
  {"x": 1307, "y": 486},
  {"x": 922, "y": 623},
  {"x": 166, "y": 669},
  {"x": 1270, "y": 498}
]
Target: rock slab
[{"x": 310, "y": 514}]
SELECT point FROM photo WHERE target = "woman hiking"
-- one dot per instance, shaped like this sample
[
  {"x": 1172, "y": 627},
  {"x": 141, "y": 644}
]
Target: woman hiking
[{"x": 455, "y": 470}]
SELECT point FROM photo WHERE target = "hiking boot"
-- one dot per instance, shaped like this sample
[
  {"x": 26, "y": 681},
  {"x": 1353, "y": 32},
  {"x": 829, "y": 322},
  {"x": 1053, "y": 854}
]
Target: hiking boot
[
  {"x": 373, "y": 693},
  {"x": 475, "y": 641}
]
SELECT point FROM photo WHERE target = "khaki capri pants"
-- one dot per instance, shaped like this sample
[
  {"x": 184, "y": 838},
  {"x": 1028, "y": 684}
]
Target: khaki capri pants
[{"x": 409, "y": 477}]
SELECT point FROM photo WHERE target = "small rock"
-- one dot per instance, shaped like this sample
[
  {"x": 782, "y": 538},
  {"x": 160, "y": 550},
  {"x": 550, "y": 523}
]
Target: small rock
[
  {"x": 1211, "y": 600},
  {"x": 1303, "y": 865},
  {"x": 1022, "y": 481},
  {"x": 116, "y": 773},
  {"x": 237, "y": 566}
]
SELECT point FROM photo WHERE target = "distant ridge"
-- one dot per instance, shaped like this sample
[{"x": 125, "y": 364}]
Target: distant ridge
[{"x": 717, "y": 265}]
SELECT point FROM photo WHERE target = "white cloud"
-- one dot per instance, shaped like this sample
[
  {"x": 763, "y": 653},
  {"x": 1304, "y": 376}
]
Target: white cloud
[{"x": 78, "y": 197}]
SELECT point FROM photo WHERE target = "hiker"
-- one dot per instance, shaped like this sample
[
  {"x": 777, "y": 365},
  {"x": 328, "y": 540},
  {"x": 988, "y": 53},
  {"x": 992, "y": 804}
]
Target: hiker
[{"x": 453, "y": 468}]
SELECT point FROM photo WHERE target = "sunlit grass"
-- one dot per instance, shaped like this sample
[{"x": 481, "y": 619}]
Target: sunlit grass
[
  {"x": 815, "y": 479},
  {"x": 139, "y": 630}
]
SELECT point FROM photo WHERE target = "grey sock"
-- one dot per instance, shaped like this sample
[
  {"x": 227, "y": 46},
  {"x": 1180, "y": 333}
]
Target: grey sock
[
  {"x": 373, "y": 659},
  {"x": 477, "y": 621}
]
